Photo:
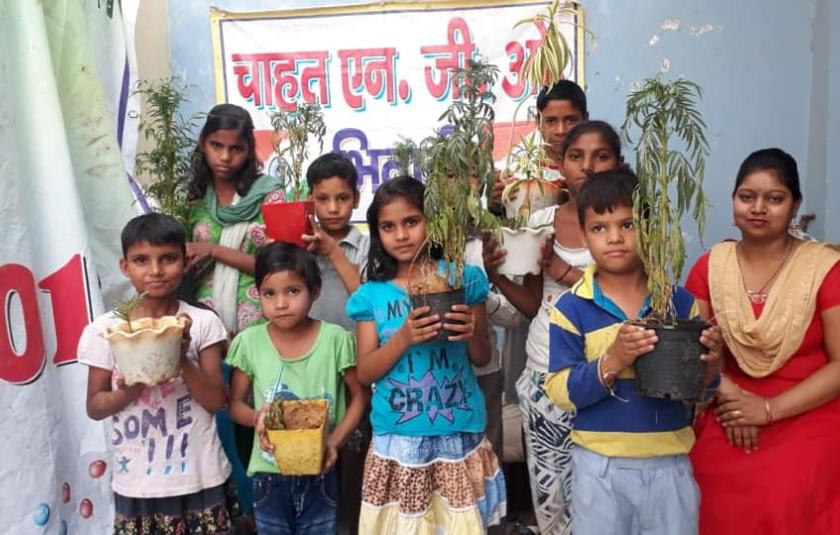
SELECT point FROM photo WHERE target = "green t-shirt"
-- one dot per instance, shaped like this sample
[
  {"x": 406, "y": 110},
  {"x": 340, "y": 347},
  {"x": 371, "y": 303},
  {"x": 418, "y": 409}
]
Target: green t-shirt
[{"x": 316, "y": 375}]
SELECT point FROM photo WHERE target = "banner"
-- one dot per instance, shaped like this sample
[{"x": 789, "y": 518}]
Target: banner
[
  {"x": 379, "y": 71},
  {"x": 65, "y": 79}
]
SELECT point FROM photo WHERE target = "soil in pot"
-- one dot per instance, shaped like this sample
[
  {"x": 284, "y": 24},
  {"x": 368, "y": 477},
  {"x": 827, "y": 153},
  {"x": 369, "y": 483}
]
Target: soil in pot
[
  {"x": 673, "y": 370},
  {"x": 149, "y": 352},
  {"x": 297, "y": 429},
  {"x": 288, "y": 221},
  {"x": 433, "y": 291}
]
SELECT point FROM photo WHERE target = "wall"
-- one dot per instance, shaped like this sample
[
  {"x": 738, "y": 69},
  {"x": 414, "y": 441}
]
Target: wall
[{"x": 769, "y": 70}]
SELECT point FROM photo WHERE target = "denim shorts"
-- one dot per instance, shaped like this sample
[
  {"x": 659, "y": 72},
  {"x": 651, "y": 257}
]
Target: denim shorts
[{"x": 285, "y": 505}]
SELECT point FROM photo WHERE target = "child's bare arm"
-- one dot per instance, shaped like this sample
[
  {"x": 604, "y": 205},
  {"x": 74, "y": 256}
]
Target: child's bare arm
[
  {"x": 359, "y": 399},
  {"x": 240, "y": 411},
  {"x": 204, "y": 380},
  {"x": 103, "y": 402},
  {"x": 376, "y": 360},
  {"x": 323, "y": 244},
  {"x": 525, "y": 297}
]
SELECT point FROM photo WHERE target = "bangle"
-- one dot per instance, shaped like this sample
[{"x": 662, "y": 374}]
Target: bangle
[
  {"x": 603, "y": 377},
  {"x": 767, "y": 411},
  {"x": 563, "y": 276}
]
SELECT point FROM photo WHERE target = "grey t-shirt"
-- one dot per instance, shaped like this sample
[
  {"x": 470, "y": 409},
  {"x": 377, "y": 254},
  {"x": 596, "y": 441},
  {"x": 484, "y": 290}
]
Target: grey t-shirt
[{"x": 330, "y": 304}]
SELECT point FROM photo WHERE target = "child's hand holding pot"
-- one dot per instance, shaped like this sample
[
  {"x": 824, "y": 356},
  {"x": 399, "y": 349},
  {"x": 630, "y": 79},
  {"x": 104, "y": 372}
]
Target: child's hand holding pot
[
  {"x": 465, "y": 326},
  {"x": 260, "y": 430}
]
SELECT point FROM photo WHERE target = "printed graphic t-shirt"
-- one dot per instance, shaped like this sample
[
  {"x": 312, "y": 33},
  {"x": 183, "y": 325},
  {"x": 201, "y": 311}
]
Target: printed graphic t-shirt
[
  {"x": 431, "y": 390},
  {"x": 316, "y": 375},
  {"x": 165, "y": 443}
]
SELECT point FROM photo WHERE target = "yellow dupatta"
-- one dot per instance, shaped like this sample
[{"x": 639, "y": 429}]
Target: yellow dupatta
[{"x": 762, "y": 346}]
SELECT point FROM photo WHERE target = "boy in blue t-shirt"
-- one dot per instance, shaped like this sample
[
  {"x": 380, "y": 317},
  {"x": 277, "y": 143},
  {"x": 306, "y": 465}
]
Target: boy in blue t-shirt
[{"x": 630, "y": 469}]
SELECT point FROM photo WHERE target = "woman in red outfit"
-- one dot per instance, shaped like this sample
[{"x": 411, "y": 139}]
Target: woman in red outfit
[{"x": 767, "y": 456}]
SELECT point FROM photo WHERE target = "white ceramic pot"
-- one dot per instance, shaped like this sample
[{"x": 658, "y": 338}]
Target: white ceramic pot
[
  {"x": 151, "y": 352},
  {"x": 524, "y": 250},
  {"x": 541, "y": 194}
]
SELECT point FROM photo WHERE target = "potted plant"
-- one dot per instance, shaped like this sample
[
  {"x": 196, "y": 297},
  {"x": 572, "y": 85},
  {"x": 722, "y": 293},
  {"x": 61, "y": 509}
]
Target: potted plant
[
  {"x": 457, "y": 165},
  {"x": 671, "y": 151},
  {"x": 530, "y": 190},
  {"x": 287, "y": 211},
  {"x": 165, "y": 169},
  {"x": 297, "y": 429},
  {"x": 146, "y": 350}
]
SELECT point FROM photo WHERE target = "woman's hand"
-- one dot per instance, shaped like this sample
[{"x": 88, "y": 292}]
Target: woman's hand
[
  {"x": 198, "y": 251},
  {"x": 492, "y": 255},
  {"x": 466, "y": 326},
  {"x": 712, "y": 340},
  {"x": 743, "y": 436},
  {"x": 740, "y": 407},
  {"x": 319, "y": 242},
  {"x": 260, "y": 430},
  {"x": 419, "y": 327}
]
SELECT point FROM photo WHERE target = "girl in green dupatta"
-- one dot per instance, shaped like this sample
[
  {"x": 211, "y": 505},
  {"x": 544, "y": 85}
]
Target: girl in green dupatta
[
  {"x": 226, "y": 227},
  {"x": 225, "y": 222}
]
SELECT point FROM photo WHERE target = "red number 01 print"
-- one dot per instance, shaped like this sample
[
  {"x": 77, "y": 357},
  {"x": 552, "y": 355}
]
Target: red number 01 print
[{"x": 22, "y": 358}]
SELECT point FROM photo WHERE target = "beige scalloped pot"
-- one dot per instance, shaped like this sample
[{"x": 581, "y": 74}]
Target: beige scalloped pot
[
  {"x": 524, "y": 250},
  {"x": 151, "y": 353}
]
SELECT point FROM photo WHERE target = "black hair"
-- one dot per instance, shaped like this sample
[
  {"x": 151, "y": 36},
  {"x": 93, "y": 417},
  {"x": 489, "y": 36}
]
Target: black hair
[
  {"x": 604, "y": 129},
  {"x": 330, "y": 165},
  {"x": 280, "y": 256},
  {"x": 776, "y": 160},
  {"x": 563, "y": 90},
  {"x": 156, "y": 229},
  {"x": 225, "y": 117},
  {"x": 382, "y": 266},
  {"x": 605, "y": 191}
]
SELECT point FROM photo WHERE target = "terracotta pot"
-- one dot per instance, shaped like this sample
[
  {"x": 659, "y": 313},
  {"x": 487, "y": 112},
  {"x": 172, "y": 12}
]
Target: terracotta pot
[
  {"x": 524, "y": 250},
  {"x": 288, "y": 221},
  {"x": 673, "y": 370},
  {"x": 151, "y": 352}
]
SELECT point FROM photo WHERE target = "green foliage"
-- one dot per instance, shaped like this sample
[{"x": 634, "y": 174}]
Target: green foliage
[
  {"x": 670, "y": 180},
  {"x": 126, "y": 307},
  {"x": 166, "y": 169},
  {"x": 299, "y": 125},
  {"x": 458, "y": 167},
  {"x": 405, "y": 154}
]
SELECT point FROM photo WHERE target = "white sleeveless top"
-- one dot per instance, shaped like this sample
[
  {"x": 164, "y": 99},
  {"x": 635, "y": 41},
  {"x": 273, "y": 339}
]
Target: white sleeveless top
[{"x": 536, "y": 346}]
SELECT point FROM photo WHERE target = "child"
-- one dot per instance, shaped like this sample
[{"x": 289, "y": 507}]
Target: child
[
  {"x": 341, "y": 249},
  {"x": 341, "y": 254},
  {"x": 630, "y": 469},
  {"x": 590, "y": 147},
  {"x": 429, "y": 466},
  {"x": 226, "y": 227},
  {"x": 293, "y": 357},
  {"x": 156, "y": 492}
]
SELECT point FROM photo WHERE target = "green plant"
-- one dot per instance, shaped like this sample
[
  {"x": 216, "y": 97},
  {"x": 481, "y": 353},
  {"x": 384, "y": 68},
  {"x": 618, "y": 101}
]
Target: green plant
[
  {"x": 458, "y": 165},
  {"x": 405, "y": 154},
  {"x": 544, "y": 66},
  {"x": 671, "y": 155},
  {"x": 126, "y": 307},
  {"x": 299, "y": 126},
  {"x": 166, "y": 168}
]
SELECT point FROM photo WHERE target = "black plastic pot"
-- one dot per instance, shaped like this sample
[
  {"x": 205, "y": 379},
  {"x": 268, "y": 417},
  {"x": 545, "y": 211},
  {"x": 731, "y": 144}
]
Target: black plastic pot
[
  {"x": 440, "y": 303},
  {"x": 673, "y": 370}
]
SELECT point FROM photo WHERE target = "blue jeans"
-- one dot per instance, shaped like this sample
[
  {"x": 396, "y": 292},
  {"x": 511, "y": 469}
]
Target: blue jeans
[
  {"x": 624, "y": 496},
  {"x": 286, "y": 505}
]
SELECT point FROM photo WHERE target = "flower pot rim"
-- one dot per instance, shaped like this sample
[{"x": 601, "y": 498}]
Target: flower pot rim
[
  {"x": 528, "y": 230},
  {"x": 144, "y": 326}
]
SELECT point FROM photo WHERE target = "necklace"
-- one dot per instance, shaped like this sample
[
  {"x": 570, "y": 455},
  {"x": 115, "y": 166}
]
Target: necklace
[{"x": 760, "y": 296}]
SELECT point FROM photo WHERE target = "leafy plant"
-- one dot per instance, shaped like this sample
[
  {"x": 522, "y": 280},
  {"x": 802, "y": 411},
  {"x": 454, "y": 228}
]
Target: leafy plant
[
  {"x": 405, "y": 154},
  {"x": 670, "y": 179},
  {"x": 126, "y": 307},
  {"x": 166, "y": 168},
  {"x": 458, "y": 166},
  {"x": 299, "y": 125},
  {"x": 544, "y": 67}
]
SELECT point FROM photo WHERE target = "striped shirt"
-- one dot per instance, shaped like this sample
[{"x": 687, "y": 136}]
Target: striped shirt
[{"x": 584, "y": 324}]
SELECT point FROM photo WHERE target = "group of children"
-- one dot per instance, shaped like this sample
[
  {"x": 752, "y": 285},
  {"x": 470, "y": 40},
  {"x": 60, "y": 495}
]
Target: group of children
[{"x": 334, "y": 321}]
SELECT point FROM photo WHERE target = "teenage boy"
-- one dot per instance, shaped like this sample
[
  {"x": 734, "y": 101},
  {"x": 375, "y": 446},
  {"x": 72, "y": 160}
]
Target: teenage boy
[
  {"x": 341, "y": 252},
  {"x": 630, "y": 469}
]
